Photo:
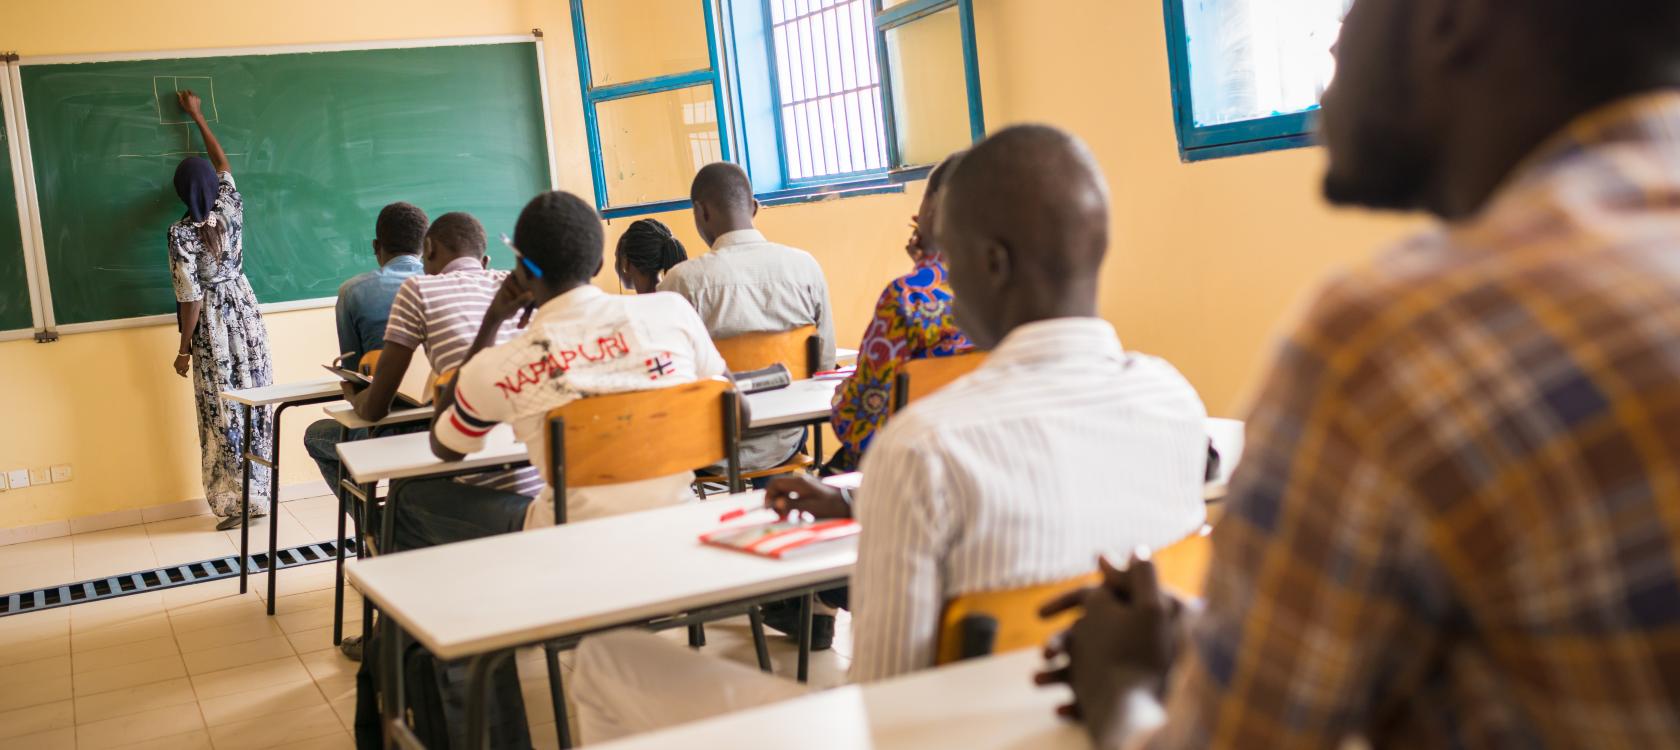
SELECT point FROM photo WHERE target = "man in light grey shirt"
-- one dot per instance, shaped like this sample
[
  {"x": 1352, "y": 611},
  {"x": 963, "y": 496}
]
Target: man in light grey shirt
[{"x": 748, "y": 284}]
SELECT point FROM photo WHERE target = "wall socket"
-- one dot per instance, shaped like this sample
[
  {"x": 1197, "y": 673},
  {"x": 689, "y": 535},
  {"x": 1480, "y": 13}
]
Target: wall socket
[
  {"x": 61, "y": 473},
  {"x": 41, "y": 475},
  {"x": 18, "y": 478}
]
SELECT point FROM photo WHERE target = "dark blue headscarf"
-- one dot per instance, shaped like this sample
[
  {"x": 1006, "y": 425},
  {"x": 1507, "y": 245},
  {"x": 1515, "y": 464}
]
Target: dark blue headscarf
[{"x": 196, "y": 182}]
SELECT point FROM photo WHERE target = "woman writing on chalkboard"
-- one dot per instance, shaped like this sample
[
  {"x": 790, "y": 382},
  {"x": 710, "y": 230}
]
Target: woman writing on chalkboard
[{"x": 223, "y": 341}]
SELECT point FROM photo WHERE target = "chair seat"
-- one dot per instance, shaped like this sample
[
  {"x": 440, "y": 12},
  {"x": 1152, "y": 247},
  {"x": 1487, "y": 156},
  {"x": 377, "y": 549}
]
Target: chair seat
[{"x": 799, "y": 462}]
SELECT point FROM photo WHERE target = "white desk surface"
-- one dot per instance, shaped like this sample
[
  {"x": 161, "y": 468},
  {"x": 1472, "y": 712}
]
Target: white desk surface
[
  {"x": 403, "y": 456},
  {"x": 280, "y": 393},
  {"x": 802, "y": 401},
  {"x": 845, "y": 356},
  {"x": 985, "y": 704},
  {"x": 345, "y": 414},
  {"x": 503, "y": 591}
]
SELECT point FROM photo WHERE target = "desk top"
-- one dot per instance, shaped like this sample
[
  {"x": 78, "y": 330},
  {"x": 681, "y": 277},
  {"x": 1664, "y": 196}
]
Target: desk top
[
  {"x": 404, "y": 456},
  {"x": 268, "y": 395},
  {"x": 984, "y": 704},
  {"x": 504, "y": 591},
  {"x": 802, "y": 401},
  {"x": 345, "y": 414}
]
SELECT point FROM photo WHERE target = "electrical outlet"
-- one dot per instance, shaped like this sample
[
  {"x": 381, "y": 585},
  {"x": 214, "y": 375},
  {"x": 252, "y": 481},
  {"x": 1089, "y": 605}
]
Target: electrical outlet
[
  {"x": 3, "y": 483},
  {"x": 61, "y": 473},
  {"x": 42, "y": 475},
  {"x": 18, "y": 478}
]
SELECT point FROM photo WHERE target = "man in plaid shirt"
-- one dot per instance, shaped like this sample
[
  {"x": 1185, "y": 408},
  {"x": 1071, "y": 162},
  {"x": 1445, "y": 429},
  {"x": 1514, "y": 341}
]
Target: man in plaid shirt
[{"x": 1458, "y": 523}]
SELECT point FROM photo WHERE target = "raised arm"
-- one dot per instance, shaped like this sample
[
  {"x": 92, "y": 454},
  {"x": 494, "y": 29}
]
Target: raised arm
[{"x": 190, "y": 104}]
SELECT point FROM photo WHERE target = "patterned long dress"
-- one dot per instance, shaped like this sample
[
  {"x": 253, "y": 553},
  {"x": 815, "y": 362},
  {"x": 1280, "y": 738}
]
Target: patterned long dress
[
  {"x": 229, "y": 350},
  {"x": 912, "y": 320}
]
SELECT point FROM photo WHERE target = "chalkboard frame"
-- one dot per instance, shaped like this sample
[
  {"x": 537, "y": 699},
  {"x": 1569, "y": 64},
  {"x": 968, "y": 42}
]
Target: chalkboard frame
[
  {"x": 14, "y": 153},
  {"x": 40, "y": 282}
]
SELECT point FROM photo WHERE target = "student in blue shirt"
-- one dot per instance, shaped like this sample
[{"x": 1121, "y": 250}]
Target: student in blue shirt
[{"x": 364, "y": 305}]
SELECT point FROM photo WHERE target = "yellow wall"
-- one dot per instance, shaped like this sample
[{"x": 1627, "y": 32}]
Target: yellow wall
[{"x": 1207, "y": 258}]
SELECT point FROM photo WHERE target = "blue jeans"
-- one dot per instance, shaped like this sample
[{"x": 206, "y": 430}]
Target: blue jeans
[
  {"x": 441, "y": 511},
  {"x": 321, "y": 441}
]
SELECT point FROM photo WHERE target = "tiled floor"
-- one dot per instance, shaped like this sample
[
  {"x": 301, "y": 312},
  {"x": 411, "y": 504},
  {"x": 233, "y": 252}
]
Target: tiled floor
[
  {"x": 203, "y": 666},
  {"x": 79, "y": 557}
]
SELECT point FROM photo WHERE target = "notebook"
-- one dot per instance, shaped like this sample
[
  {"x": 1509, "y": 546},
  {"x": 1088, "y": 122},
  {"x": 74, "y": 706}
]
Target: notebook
[
  {"x": 785, "y": 539},
  {"x": 413, "y": 392}
]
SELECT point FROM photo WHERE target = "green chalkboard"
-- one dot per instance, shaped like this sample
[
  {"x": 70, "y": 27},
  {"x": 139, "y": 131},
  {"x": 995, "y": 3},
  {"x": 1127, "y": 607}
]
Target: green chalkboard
[
  {"x": 14, "y": 281},
  {"x": 318, "y": 142}
]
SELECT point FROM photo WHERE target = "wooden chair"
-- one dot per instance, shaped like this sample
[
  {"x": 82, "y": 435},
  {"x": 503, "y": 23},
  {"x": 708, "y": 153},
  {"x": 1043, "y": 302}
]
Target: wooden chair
[
  {"x": 369, "y": 363},
  {"x": 442, "y": 381},
  {"x": 920, "y": 377},
  {"x": 800, "y": 350},
  {"x": 998, "y": 621}
]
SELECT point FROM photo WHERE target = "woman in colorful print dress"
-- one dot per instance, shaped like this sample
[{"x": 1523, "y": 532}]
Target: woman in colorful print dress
[
  {"x": 912, "y": 321},
  {"x": 223, "y": 341}
]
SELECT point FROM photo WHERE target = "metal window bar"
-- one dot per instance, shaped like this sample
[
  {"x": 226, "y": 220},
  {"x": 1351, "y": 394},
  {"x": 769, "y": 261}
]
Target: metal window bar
[{"x": 829, "y": 82}]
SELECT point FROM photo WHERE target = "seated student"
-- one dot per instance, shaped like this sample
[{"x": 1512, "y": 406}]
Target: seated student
[
  {"x": 603, "y": 343},
  {"x": 912, "y": 320},
  {"x": 646, "y": 251},
  {"x": 364, "y": 305},
  {"x": 1459, "y": 518},
  {"x": 1003, "y": 479},
  {"x": 748, "y": 284}
]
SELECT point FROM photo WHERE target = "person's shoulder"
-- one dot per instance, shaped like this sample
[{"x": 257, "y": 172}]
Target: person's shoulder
[
  {"x": 351, "y": 284},
  {"x": 1355, "y": 310}
]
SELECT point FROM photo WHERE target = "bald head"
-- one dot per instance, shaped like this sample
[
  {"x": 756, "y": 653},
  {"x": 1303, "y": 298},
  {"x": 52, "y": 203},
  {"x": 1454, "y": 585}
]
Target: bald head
[
  {"x": 723, "y": 200},
  {"x": 1024, "y": 227}
]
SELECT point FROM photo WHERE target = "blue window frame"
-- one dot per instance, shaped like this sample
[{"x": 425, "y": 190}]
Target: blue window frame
[
  {"x": 1247, "y": 74},
  {"x": 819, "y": 97},
  {"x": 693, "y": 99}
]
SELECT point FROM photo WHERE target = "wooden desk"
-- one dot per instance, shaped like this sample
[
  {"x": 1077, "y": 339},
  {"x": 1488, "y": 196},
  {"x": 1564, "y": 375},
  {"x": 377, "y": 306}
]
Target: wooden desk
[
  {"x": 480, "y": 599},
  {"x": 983, "y": 704},
  {"x": 282, "y": 397}
]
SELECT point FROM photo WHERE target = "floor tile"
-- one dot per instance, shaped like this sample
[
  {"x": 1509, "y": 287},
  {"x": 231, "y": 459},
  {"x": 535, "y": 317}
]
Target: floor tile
[
  {"x": 235, "y": 614},
  {"x": 108, "y": 612},
  {"x": 238, "y": 655},
  {"x": 198, "y": 739},
  {"x": 316, "y": 639},
  {"x": 140, "y": 727},
  {"x": 341, "y": 741},
  {"x": 34, "y": 553},
  {"x": 133, "y": 700},
  {"x": 327, "y": 666},
  {"x": 256, "y": 627},
  {"x": 28, "y": 672},
  {"x": 308, "y": 619},
  {"x": 250, "y": 677},
  {"x": 264, "y": 701},
  {"x": 292, "y": 534},
  {"x": 279, "y": 729},
  {"x": 29, "y": 577},
  {"x": 128, "y": 653},
  {"x": 37, "y": 719},
  {"x": 45, "y": 648},
  {"x": 302, "y": 579},
  {"x": 56, "y": 739},
  {"x": 206, "y": 593},
  {"x": 34, "y": 626},
  {"x": 288, "y": 603},
  {"x": 130, "y": 675},
  {"x": 155, "y": 625}
]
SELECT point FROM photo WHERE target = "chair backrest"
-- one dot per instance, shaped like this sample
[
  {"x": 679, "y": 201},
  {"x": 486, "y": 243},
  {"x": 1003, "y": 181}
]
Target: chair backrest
[
  {"x": 369, "y": 363},
  {"x": 799, "y": 349},
  {"x": 629, "y": 437},
  {"x": 442, "y": 381},
  {"x": 997, "y": 621},
  {"x": 920, "y": 377}
]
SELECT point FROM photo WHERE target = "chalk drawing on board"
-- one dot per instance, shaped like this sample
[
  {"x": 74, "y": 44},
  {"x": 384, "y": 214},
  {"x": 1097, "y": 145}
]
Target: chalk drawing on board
[{"x": 169, "y": 111}]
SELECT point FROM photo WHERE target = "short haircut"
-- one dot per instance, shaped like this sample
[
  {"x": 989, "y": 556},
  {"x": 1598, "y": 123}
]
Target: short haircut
[
  {"x": 561, "y": 233},
  {"x": 942, "y": 170},
  {"x": 722, "y": 185},
  {"x": 460, "y": 232},
  {"x": 649, "y": 245},
  {"x": 401, "y": 228}
]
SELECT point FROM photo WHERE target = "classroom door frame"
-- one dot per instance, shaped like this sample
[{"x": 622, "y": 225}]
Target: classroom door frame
[
  {"x": 46, "y": 325},
  {"x": 33, "y": 267}
]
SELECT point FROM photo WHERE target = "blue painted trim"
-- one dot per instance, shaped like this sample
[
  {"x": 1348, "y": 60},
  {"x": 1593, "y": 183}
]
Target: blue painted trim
[
  {"x": 909, "y": 12},
  {"x": 837, "y": 179},
  {"x": 591, "y": 127},
  {"x": 672, "y": 82},
  {"x": 889, "y": 121},
  {"x": 1200, "y": 143},
  {"x": 642, "y": 209},
  {"x": 971, "y": 71},
  {"x": 910, "y": 174},
  {"x": 770, "y": 60},
  {"x": 828, "y": 192},
  {"x": 718, "y": 110}
]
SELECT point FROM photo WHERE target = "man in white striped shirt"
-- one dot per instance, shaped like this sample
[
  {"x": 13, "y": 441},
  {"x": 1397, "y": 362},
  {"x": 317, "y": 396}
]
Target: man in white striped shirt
[{"x": 1061, "y": 447}]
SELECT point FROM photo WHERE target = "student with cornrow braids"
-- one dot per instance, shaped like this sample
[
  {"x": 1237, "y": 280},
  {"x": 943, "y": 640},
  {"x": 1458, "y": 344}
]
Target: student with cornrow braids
[{"x": 645, "y": 252}]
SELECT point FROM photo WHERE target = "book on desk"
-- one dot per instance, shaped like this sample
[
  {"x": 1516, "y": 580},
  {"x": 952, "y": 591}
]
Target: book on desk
[{"x": 413, "y": 392}]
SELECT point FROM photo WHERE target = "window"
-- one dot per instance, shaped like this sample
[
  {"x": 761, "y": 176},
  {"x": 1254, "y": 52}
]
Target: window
[
  {"x": 811, "y": 97},
  {"x": 828, "y": 87},
  {"x": 1248, "y": 74},
  {"x": 652, "y": 95}
]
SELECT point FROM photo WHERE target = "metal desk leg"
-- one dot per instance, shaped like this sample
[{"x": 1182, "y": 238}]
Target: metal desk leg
[
  {"x": 807, "y": 608},
  {"x": 245, "y": 497},
  {"x": 557, "y": 694},
  {"x": 478, "y": 688},
  {"x": 338, "y": 577},
  {"x": 274, "y": 508},
  {"x": 755, "y": 616}
]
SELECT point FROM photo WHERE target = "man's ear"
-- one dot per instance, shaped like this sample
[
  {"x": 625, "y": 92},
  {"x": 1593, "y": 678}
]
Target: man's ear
[
  {"x": 484, "y": 260},
  {"x": 602, "y": 263},
  {"x": 377, "y": 249},
  {"x": 998, "y": 264},
  {"x": 755, "y": 207}
]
